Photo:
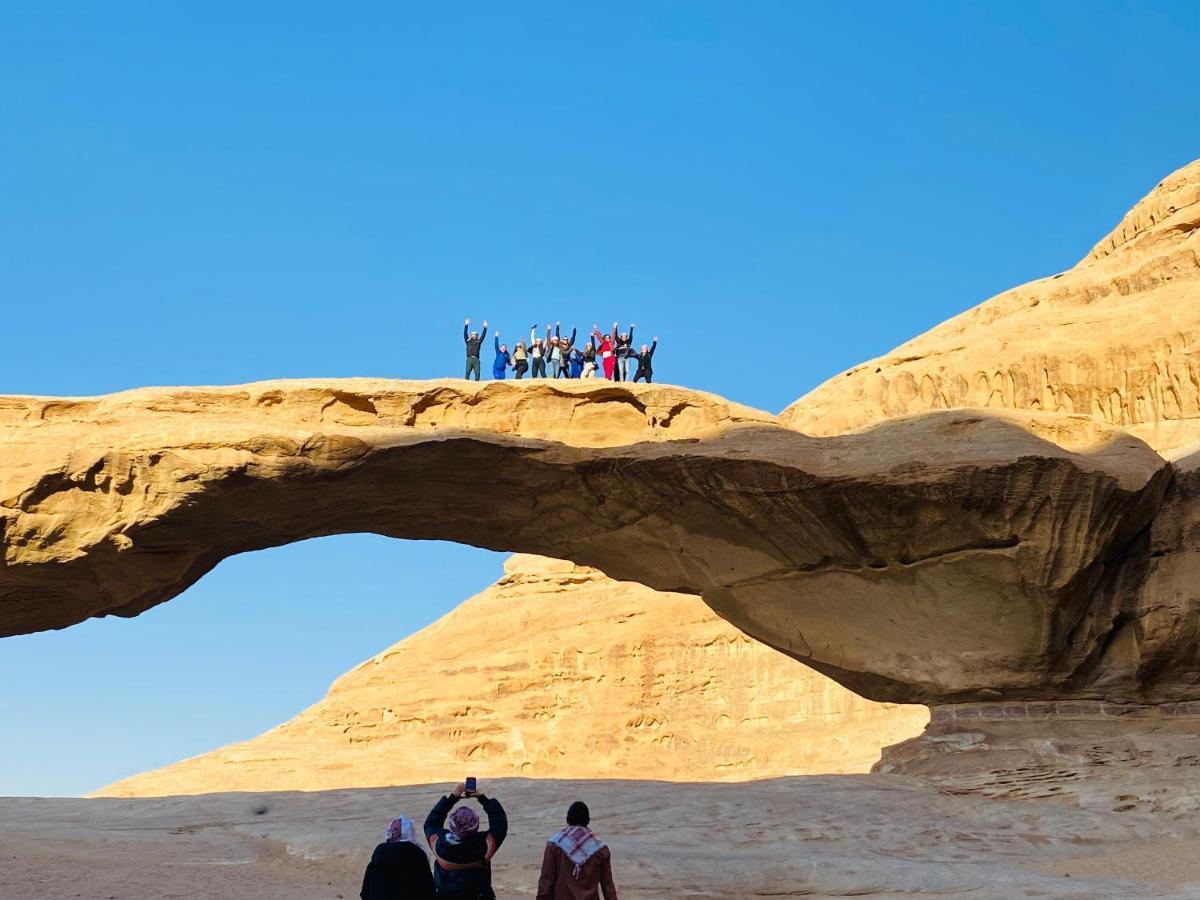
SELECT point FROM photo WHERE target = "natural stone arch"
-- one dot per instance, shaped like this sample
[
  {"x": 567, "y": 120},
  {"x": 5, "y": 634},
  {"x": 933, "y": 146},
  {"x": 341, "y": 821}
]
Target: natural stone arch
[{"x": 951, "y": 556}]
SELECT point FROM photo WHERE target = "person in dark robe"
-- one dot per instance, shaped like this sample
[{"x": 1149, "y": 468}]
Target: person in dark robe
[{"x": 399, "y": 867}]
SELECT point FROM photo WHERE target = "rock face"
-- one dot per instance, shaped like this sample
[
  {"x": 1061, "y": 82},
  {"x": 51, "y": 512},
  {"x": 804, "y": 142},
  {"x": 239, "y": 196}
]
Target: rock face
[
  {"x": 559, "y": 672},
  {"x": 1035, "y": 549},
  {"x": 950, "y": 557},
  {"x": 1117, "y": 338}
]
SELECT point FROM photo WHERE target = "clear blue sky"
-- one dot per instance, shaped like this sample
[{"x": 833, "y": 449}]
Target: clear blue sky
[{"x": 221, "y": 192}]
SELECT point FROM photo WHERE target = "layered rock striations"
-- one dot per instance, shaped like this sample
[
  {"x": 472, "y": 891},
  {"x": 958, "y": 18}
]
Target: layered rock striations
[
  {"x": 1040, "y": 547},
  {"x": 1117, "y": 338},
  {"x": 952, "y": 556},
  {"x": 559, "y": 672}
]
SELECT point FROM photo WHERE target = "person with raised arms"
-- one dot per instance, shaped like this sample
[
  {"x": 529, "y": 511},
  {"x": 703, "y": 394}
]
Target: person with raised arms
[
  {"x": 474, "y": 341},
  {"x": 624, "y": 351},
  {"x": 645, "y": 362},
  {"x": 604, "y": 347},
  {"x": 503, "y": 360},
  {"x": 462, "y": 867},
  {"x": 537, "y": 353}
]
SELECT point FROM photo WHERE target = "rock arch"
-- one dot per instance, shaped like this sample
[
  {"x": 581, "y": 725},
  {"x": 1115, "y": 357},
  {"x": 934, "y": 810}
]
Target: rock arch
[{"x": 946, "y": 557}]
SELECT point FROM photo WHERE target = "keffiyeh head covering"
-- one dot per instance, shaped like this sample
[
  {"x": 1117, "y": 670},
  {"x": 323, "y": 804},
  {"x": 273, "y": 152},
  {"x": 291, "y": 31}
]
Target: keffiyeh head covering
[
  {"x": 579, "y": 844},
  {"x": 403, "y": 829},
  {"x": 463, "y": 821}
]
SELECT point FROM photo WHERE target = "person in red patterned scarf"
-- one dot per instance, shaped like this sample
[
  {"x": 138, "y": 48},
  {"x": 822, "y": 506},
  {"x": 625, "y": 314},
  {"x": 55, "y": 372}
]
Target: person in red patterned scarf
[{"x": 577, "y": 865}]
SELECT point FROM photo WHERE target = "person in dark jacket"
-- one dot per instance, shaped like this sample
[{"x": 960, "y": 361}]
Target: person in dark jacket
[
  {"x": 624, "y": 351},
  {"x": 503, "y": 360},
  {"x": 556, "y": 350},
  {"x": 645, "y": 359},
  {"x": 576, "y": 865},
  {"x": 399, "y": 867},
  {"x": 537, "y": 353},
  {"x": 462, "y": 867},
  {"x": 564, "y": 352},
  {"x": 473, "y": 340}
]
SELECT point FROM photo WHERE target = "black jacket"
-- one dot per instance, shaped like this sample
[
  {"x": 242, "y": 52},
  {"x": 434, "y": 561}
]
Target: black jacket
[
  {"x": 398, "y": 871},
  {"x": 646, "y": 360},
  {"x": 473, "y": 344},
  {"x": 624, "y": 349},
  {"x": 474, "y": 883}
]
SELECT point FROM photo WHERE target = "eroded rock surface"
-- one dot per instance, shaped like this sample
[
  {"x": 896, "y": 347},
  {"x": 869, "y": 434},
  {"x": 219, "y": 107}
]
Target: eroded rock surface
[
  {"x": 559, "y": 672},
  {"x": 946, "y": 557},
  {"x": 1116, "y": 337},
  {"x": 912, "y": 550}
]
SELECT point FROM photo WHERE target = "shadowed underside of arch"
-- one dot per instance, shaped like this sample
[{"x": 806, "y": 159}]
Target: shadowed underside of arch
[{"x": 945, "y": 557}]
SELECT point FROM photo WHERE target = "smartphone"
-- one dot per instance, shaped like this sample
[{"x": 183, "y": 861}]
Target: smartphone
[{"x": 472, "y": 785}]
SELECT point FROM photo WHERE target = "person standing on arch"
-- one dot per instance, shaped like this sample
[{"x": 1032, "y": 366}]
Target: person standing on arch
[
  {"x": 503, "y": 360},
  {"x": 474, "y": 341},
  {"x": 605, "y": 344},
  {"x": 537, "y": 354},
  {"x": 645, "y": 360},
  {"x": 520, "y": 359},
  {"x": 624, "y": 351}
]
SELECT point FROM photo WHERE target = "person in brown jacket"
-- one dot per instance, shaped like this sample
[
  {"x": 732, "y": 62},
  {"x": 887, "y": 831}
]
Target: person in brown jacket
[{"x": 577, "y": 865}]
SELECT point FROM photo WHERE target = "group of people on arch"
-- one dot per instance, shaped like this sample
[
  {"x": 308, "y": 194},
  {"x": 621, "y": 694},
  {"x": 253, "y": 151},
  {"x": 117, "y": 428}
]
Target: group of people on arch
[
  {"x": 576, "y": 863},
  {"x": 610, "y": 355}
]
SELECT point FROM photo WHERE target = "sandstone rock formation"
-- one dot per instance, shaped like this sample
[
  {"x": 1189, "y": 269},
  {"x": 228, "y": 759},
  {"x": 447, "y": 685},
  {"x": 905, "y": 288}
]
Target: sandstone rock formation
[
  {"x": 1117, "y": 338},
  {"x": 944, "y": 556},
  {"x": 559, "y": 672},
  {"x": 949, "y": 557}
]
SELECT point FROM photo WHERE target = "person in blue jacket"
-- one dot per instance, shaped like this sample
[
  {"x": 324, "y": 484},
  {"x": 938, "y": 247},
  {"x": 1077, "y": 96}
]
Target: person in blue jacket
[
  {"x": 503, "y": 360},
  {"x": 575, "y": 363}
]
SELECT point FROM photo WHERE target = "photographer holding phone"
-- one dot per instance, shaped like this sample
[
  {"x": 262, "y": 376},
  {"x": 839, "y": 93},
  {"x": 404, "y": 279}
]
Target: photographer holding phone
[{"x": 462, "y": 854}]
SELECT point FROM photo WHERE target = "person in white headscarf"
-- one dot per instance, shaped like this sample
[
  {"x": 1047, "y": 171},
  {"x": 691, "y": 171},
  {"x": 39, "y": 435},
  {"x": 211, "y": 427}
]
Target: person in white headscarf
[{"x": 399, "y": 867}]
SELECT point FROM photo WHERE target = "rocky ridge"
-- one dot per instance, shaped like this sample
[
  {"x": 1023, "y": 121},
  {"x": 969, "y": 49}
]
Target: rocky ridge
[
  {"x": 1125, "y": 350},
  {"x": 558, "y": 672}
]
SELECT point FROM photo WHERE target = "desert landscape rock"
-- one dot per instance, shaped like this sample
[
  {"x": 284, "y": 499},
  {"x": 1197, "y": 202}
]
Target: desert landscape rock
[
  {"x": 936, "y": 556},
  {"x": 948, "y": 557},
  {"x": 882, "y": 836},
  {"x": 559, "y": 672},
  {"x": 1117, "y": 338}
]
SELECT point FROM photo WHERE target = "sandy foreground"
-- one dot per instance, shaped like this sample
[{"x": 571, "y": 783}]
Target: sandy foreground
[{"x": 827, "y": 836}]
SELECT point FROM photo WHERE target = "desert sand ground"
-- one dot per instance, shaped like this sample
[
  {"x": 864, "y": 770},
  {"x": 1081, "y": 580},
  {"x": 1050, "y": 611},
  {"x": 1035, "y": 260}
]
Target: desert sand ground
[{"x": 825, "y": 836}]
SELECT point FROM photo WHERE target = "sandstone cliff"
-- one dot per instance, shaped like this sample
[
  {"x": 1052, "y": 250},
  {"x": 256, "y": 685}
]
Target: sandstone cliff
[
  {"x": 949, "y": 557},
  {"x": 1035, "y": 549},
  {"x": 559, "y": 672},
  {"x": 1116, "y": 337}
]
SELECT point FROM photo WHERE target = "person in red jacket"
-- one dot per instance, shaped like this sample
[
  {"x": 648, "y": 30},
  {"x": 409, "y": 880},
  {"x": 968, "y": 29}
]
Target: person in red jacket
[
  {"x": 606, "y": 346},
  {"x": 576, "y": 865}
]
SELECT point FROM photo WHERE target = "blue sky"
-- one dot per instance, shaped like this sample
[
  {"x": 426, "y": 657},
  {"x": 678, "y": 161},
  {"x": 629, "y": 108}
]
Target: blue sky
[{"x": 211, "y": 193}]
